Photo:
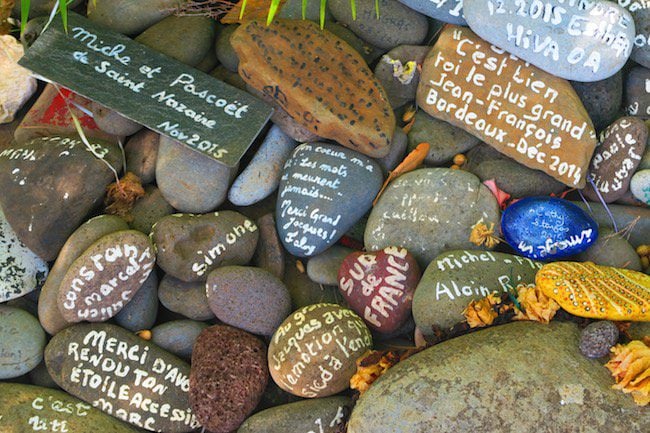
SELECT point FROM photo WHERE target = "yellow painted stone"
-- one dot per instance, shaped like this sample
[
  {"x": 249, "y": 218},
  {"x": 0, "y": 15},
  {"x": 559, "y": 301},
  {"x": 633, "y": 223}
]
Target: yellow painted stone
[{"x": 597, "y": 292}]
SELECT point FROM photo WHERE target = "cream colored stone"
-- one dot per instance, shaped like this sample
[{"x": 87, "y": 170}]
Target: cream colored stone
[{"x": 16, "y": 83}]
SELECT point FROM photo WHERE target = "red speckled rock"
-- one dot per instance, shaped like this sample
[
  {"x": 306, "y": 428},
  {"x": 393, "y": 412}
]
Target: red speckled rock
[{"x": 379, "y": 286}]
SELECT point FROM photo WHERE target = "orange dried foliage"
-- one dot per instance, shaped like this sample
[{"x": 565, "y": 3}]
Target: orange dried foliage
[
  {"x": 630, "y": 366},
  {"x": 481, "y": 234},
  {"x": 412, "y": 161},
  {"x": 122, "y": 195},
  {"x": 5, "y": 12},
  {"x": 481, "y": 313},
  {"x": 536, "y": 305},
  {"x": 374, "y": 363}
]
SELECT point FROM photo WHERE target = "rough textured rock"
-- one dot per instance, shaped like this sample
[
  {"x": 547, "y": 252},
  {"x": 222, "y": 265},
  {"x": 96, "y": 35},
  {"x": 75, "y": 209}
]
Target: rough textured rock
[
  {"x": 16, "y": 85},
  {"x": 325, "y": 103},
  {"x": 21, "y": 342},
  {"x": 602, "y": 99},
  {"x": 598, "y": 338},
  {"x": 226, "y": 385},
  {"x": 455, "y": 386}
]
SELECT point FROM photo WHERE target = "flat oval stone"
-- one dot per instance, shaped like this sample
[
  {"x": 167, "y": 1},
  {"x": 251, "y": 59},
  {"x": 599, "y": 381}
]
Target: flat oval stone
[
  {"x": 447, "y": 11},
  {"x": 640, "y": 11},
  {"x": 323, "y": 415},
  {"x": 637, "y": 94},
  {"x": 178, "y": 336},
  {"x": 616, "y": 159},
  {"x": 324, "y": 268},
  {"x": 123, "y": 375},
  {"x": 314, "y": 352},
  {"x": 635, "y": 219},
  {"x": 321, "y": 93},
  {"x": 248, "y": 298},
  {"x": 546, "y": 228},
  {"x": 190, "y": 246},
  {"x": 395, "y": 25},
  {"x": 27, "y": 408},
  {"x": 455, "y": 387},
  {"x": 79, "y": 241},
  {"x": 269, "y": 254},
  {"x": 186, "y": 299},
  {"x": 597, "y": 292},
  {"x": 611, "y": 249},
  {"x": 141, "y": 311},
  {"x": 45, "y": 210},
  {"x": 640, "y": 186},
  {"x": 379, "y": 286},
  {"x": 602, "y": 99},
  {"x": 106, "y": 276},
  {"x": 323, "y": 191},
  {"x": 528, "y": 114},
  {"x": 129, "y": 16},
  {"x": 393, "y": 71},
  {"x": 141, "y": 152},
  {"x": 228, "y": 383},
  {"x": 21, "y": 271},
  {"x": 581, "y": 41},
  {"x": 428, "y": 211},
  {"x": 21, "y": 342},
  {"x": 455, "y": 278},
  {"x": 149, "y": 209}
]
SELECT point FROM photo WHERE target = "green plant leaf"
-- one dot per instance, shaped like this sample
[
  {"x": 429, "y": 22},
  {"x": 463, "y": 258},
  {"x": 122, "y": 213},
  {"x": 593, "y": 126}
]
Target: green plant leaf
[
  {"x": 304, "y": 9},
  {"x": 63, "y": 9},
  {"x": 243, "y": 8},
  {"x": 323, "y": 3},
  {"x": 377, "y": 8},
  {"x": 353, "y": 6},
  {"x": 24, "y": 14},
  {"x": 273, "y": 9}
]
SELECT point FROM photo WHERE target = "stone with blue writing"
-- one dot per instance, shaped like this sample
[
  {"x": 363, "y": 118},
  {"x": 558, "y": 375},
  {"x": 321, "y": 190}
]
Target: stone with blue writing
[
  {"x": 640, "y": 10},
  {"x": 640, "y": 186},
  {"x": 455, "y": 278},
  {"x": 637, "y": 92},
  {"x": 546, "y": 228},
  {"x": 123, "y": 375},
  {"x": 262, "y": 175},
  {"x": 21, "y": 342},
  {"x": 583, "y": 40},
  {"x": 447, "y": 11},
  {"x": 190, "y": 246},
  {"x": 27, "y": 408},
  {"x": 324, "y": 190}
]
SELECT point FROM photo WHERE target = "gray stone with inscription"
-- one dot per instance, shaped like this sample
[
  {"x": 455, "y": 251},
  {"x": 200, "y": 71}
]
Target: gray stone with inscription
[
  {"x": 429, "y": 211},
  {"x": 637, "y": 92},
  {"x": 123, "y": 375},
  {"x": 448, "y": 11},
  {"x": 324, "y": 190},
  {"x": 455, "y": 278},
  {"x": 581, "y": 40},
  {"x": 640, "y": 10},
  {"x": 323, "y": 415},
  {"x": 21, "y": 342},
  {"x": 518, "y": 377}
]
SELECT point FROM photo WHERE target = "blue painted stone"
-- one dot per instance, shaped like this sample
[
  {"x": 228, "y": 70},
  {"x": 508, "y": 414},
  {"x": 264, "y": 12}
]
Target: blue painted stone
[
  {"x": 545, "y": 228},
  {"x": 448, "y": 11}
]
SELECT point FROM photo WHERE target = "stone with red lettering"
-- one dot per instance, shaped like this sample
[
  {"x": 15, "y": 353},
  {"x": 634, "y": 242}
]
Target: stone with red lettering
[
  {"x": 123, "y": 375},
  {"x": 314, "y": 351},
  {"x": 616, "y": 159},
  {"x": 190, "y": 246},
  {"x": 379, "y": 286},
  {"x": 520, "y": 110},
  {"x": 226, "y": 384},
  {"x": 637, "y": 93},
  {"x": 576, "y": 40},
  {"x": 102, "y": 280}
]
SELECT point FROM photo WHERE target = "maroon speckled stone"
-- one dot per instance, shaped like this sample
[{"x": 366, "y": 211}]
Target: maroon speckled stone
[
  {"x": 228, "y": 377},
  {"x": 379, "y": 286}
]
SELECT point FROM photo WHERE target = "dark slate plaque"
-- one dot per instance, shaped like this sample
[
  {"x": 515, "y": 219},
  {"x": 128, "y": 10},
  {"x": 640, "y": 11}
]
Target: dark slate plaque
[{"x": 152, "y": 89}]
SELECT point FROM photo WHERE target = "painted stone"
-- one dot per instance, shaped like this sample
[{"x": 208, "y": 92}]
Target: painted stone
[
  {"x": 45, "y": 209},
  {"x": 455, "y": 278},
  {"x": 597, "y": 292},
  {"x": 79, "y": 241},
  {"x": 313, "y": 353},
  {"x": 323, "y": 415},
  {"x": 21, "y": 342},
  {"x": 395, "y": 25},
  {"x": 454, "y": 387},
  {"x": 428, "y": 211},
  {"x": 178, "y": 336},
  {"x": 530, "y": 115},
  {"x": 447, "y": 11},
  {"x": 262, "y": 175},
  {"x": 323, "y": 191},
  {"x": 106, "y": 276},
  {"x": 640, "y": 186},
  {"x": 545, "y": 228},
  {"x": 248, "y": 298},
  {"x": 186, "y": 299},
  {"x": 379, "y": 286},
  {"x": 640, "y": 11},
  {"x": 190, "y": 246},
  {"x": 27, "y": 408},
  {"x": 17, "y": 84},
  {"x": 637, "y": 93},
  {"x": 616, "y": 159},
  {"x": 21, "y": 271},
  {"x": 226, "y": 385},
  {"x": 321, "y": 93},
  {"x": 578, "y": 40},
  {"x": 122, "y": 375}
]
